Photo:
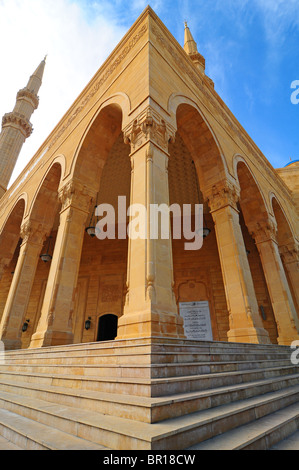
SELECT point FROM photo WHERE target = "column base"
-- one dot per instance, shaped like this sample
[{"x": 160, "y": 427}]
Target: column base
[
  {"x": 51, "y": 338},
  {"x": 248, "y": 335},
  {"x": 150, "y": 324}
]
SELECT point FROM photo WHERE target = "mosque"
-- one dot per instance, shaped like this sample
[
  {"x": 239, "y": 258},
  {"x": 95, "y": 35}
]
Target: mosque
[{"x": 190, "y": 346}]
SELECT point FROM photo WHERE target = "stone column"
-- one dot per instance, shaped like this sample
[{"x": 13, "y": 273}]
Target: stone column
[
  {"x": 55, "y": 324},
  {"x": 150, "y": 308},
  {"x": 290, "y": 257},
  {"x": 244, "y": 319},
  {"x": 33, "y": 235},
  {"x": 264, "y": 234}
]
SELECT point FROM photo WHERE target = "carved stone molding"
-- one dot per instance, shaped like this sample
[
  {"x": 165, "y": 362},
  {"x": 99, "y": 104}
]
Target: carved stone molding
[
  {"x": 25, "y": 93},
  {"x": 221, "y": 195},
  {"x": 19, "y": 120},
  {"x": 149, "y": 126},
  {"x": 76, "y": 195}
]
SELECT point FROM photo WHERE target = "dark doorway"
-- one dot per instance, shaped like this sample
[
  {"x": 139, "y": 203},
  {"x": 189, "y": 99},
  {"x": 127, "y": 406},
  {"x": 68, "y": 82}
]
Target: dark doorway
[{"x": 107, "y": 329}]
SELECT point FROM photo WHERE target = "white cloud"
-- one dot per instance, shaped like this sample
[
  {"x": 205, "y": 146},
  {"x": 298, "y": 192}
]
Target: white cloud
[{"x": 76, "y": 48}]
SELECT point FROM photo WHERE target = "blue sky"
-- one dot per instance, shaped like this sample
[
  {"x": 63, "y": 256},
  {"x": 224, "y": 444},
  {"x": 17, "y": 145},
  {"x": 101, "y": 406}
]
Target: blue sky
[{"x": 250, "y": 46}]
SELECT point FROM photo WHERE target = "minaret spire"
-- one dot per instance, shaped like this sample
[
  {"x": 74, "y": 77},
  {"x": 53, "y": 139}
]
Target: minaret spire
[
  {"x": 190, "y": 48},
  {"x": 190, "y": 45},
  {"x": 16, "y": 126}
]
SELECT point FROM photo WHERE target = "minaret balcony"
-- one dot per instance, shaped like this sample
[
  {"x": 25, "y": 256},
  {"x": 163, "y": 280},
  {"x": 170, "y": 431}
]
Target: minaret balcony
[
  {"x": 30, "y": 96},
  {"x": 18, "y": 120}
]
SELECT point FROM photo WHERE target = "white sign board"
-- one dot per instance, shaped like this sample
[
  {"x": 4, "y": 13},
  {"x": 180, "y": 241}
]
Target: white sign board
[{"x": 197, "y": 320}]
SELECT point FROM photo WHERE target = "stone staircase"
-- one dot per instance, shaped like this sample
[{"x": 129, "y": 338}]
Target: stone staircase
[{"x": 150, "y": 394}]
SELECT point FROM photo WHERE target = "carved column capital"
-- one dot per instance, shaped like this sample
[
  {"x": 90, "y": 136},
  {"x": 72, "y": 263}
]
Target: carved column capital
[
  {"x": 149, "y": 126},
  {"x": 34, "y": 232},
  {"x": 290, "y": 253},
  {"x": 77, "y": 195},
  {"x": 221, "y": 195},
  {"x": 263, "y": 231}
]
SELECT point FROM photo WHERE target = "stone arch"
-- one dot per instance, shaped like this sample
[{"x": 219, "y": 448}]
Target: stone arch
[
  {"x": 261, "y": 224},
  {"x": 9, "y": 247},
  {"x": 98, "y": 139},
  {"x": 33, "y": 233},
  {"x": 239, "y": 159},
  {"x": 194, "y": 128},
  {"x": 288, "y": 248},
  {"x": 22, "y": 198},
  {"x": 47, "y": 193},
  {"x": 102, "y": 165},
  {"x": 196, "y": 166},
  {"x": 285, "y": 232},
  {"x": 10, "y": 234},
  {"x": 252, "y": 199}
]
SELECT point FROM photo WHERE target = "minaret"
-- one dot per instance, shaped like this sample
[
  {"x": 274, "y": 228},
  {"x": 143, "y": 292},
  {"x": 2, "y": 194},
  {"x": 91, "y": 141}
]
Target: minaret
[
  {"x": 16, "y": 126},
  {"x": 190, "y": 48}
]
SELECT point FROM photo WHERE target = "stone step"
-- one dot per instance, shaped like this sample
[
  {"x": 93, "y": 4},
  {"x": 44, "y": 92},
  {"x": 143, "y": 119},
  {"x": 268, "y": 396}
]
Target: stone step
[
  {"x": 193, "y": 383},
  {"x": 261, "y": 434},
  {"x": 32, "y": 435},
  {"x": 143, "y": 408},
  {"x": 195, "y": 368},
  {"x": 151, "y": 350},
  {"x": 105, "y": 370},
  {"x": 83, "y": 379},
  {"x": 109, "y": 431},
  {"x": 153, "y": 344},
  {"x": 214, "y": 346},
  {"x": 289, "y": 443},
  {"x": 141, "y": 358},
  {"x": 150, "y": 393},
  {"x": 146, "y": 370},
  {"x": 5, "y": 444},
  {"x": 183, "y": 404}
]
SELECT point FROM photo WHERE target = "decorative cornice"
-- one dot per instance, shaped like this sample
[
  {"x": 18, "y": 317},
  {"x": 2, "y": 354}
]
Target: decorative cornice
[
  {"x": 149, "y": 126},
  {"x": 19, "y": 120}
]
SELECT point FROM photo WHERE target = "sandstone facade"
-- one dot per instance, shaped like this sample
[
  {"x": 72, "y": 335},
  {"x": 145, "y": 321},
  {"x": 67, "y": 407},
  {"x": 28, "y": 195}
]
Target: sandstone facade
[{"x": 149, "y": 126}]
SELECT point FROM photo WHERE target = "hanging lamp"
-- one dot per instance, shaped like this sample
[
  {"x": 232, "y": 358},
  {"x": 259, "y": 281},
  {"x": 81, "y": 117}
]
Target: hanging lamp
[
  {"x": 91, "y": 229},
  {"x": 46, "y": 257},
  {"x": 205, "y": 230}
]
